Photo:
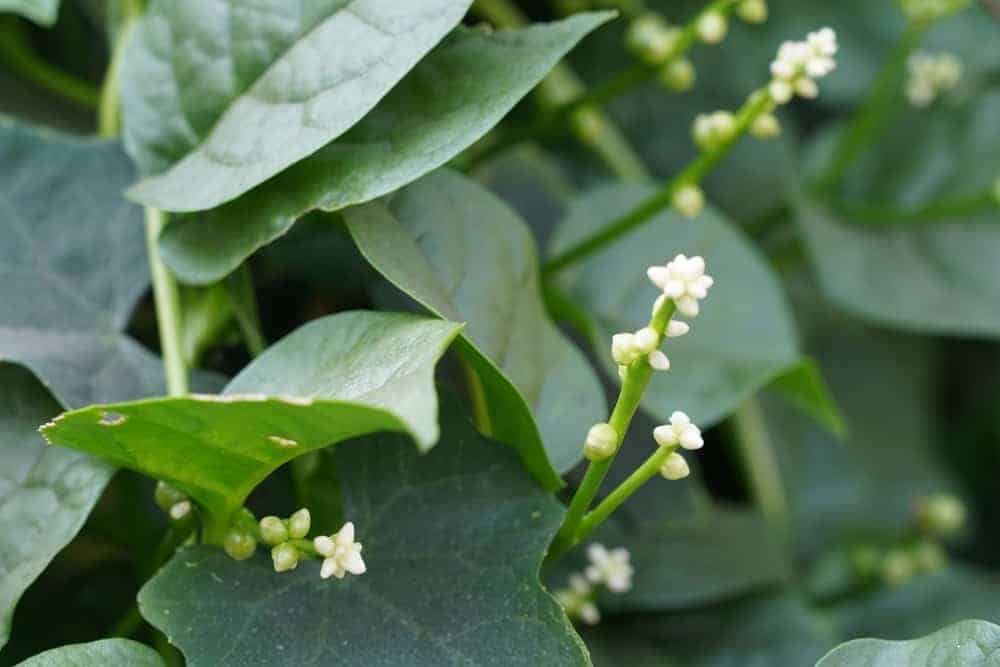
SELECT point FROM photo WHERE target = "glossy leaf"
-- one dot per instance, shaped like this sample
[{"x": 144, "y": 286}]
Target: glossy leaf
[
  {"x": 744, "y": 337},
  {"x": 219, "y": 97},
  {"x": 43, "y": 12},
  {"x": 930, "y": 276},
  {"x": 72, "y": 266},
  {"x": 46, "y": 493},
  {"x": 452, "y": 98},
  {"x": 464, "y": 255},
  {"x": 333, "y": 379},
  {"x": 965, "y": 644},
  {"x": 103, "y": 653},
  {"x": 448, "y": 583}
]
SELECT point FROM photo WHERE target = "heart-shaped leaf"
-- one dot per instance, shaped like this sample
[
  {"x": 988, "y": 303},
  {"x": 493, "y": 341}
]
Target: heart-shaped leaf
[
  {"x": 46, "y": 493},
  {"x": 743, "y": 339},
  {"x": 43, "y": 12},
  {"x": 333, "y": 379},
  {"x": 464, "y": 255},
  {"x": 965, "y": 644},
  {"x": 448, "y": 583},
  {"x": 103, "y": 653},
  {"x": 223, "y": 95},
  {"x": 937, "y": 276},
  {"x": 454, "y": 96}
]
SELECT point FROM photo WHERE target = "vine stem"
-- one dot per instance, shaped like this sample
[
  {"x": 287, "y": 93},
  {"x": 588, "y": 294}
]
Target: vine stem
[
  {"x": 886, "y": 216},
  {"x": 633, "y": 386},
  {"x": 761, "y": 464},
  {"x": 877, "y": 110},
  {"x": 758, "y": 103},
  {"x": 168, "y": 307},
  {"x": 16, "y": 52}
]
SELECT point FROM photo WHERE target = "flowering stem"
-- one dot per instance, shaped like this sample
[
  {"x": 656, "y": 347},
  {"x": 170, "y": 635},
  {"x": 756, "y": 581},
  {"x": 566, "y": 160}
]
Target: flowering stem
[
  {"x": 649, "y": 469},
  {"x": 633, "y": 386},
  {"x": 757, "y": 104},
  {"x": 881, "y": 102},
  {"x": 764, "y": 476}
]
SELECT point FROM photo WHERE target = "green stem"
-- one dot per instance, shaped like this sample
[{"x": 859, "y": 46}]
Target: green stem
[
  {"x": 761, "y": 464},
  {"x": 633, "y": 386},
  {"x": 109, "y": 108},
  {"x": 886, "y": 216},
  {"x": 875, "y": 114},
  {"x": 17, "y": 54},
  {"x": 623, "y": 492},
  {"x": 168, "y": 308},
  {"x": 239, "y": 286},
  {"x": 757, "y": 104},
  {"x": 477, "y": 397}
]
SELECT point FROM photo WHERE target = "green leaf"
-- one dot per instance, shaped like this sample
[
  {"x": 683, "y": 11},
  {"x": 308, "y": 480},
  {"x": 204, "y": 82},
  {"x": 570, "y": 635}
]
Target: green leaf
[
  {"x": 715, "y": 554},
  {"x": 964, "y": 644},
  {"x": 464, "y": 255},
  {"x": 939, "y": 276},
  {"x": 103, "y": 653},
  {"x": 333, "y": 379},
  {"x": 448, "y": 583},
  {"x": 42, "y": 12},
  {"x": 743, "y": 339},
  {"x": 804, "y": 387},
  {"x": 451, "y": 99},
  {"x": 46, "y": 493},
  {"x": 72, "y": 266},
  {"x": 220, "y": 97}
]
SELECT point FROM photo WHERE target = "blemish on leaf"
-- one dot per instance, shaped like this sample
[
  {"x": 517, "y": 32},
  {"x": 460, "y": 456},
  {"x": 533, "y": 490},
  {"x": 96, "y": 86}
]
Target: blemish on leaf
[
  {"x": 112, "y": 419},
  {"x": 282, "y": 442},
  {"x": 296, "y": 400}
]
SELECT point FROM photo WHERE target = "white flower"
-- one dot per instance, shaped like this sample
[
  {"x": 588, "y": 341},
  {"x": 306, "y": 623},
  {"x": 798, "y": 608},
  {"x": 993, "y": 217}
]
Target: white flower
[
  {"x": 577, "y": 602},
  {"x": 931, "y": 75},
  {"x": 689, "y": 200},
  {"x": 678, "y": 75},
  {"x": 627, "y": 348},
  {"x": 680, "y": 431},
  {"x": 684, "y": 281},
  {"x": 799, "y": 64},
  {"x": 658, "y": 361},
  {"x": 712, "y": 129},
  {"x": 601, "y": 442},
  {"x": 765, "y": 126},
  {"x": 676, "y": 328},
  {"x": 712, "y": 27},
  {"x": 611, "y": 568},
  {"x": 646, "y": 340},
  {"x": 341, "y": 553},
  {"x": 675, "y": 467},
  {"x": 180, "y": 510}
]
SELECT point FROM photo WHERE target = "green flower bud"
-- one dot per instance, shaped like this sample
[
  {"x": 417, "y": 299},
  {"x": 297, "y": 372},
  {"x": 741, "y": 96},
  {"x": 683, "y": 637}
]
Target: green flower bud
[
  {"x": 898, "y": 567},
  {"x": 752, "y": 11},
  {"x": 299, "y": 523},
  {"x": 285, "y": 557},
  {"x": 765, "y": 126},
  {"x": 273, "y": 531},
  {"x": 601, "y": 442},
  {"x": 678, "y": 75},
  {"x": 167, "y": 496},
  {"x": 929, "y": 556},
  {"x": 239, "y": 545},
  {"x": 711, "y": 28},
  {"x": 866, "y": 561},
  {"x": 941, "y": 515},
  {"x": 651, "y": 39},
  {"x": 587, "y": 124}
]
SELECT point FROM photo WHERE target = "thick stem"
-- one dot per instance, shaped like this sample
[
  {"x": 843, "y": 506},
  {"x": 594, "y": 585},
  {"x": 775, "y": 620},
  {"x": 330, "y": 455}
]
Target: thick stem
[
  {"x": 758, "y": 103},
  {"x": 633, "y": 386},
  {"x": 17, "y": 54},
  {"x": 760, "y": 463},
  {"x": 881, "y": 102},
  {"x": 168, "y": 309}
]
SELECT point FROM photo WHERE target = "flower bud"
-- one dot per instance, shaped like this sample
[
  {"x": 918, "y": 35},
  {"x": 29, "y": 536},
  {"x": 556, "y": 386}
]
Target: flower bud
[
  {"x": 285, "y": 557},
  {"x": 866, "y": 561},
  {"x": 650, "y": 39},
  {"x": 752, "y": 11},
  {"x": 601, "y": 443},
  {"x": 587, "y": 124},
  {"x": 765, "y": 126},
  {"x": 167, "y": 496},
  {"x": 897, "y": 568},
  {"x": 646, "y": 340},
  {"x": 273, "y": 531},
  {"x": 299, "y": 524},
  {"x": 689, "y": 200},
  {"x": 678, "y": 75},
  {"x": 658, "y": 360},
  {"x": 712, "y": 27},
  {"x": 180, "y": 510},
  {"x": 929, "y": 556},
  {"x": 941, "y": 515},
  {"x": 239, "y": 545},
  {"x": 675, "y": 467}
]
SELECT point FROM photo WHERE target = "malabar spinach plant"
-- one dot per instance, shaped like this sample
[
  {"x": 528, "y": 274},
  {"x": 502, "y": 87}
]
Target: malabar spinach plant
[{"x": 384, "y": 332}]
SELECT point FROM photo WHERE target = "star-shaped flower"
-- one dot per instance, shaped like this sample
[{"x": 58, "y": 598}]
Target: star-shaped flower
[{"x": 341, "y": 553}]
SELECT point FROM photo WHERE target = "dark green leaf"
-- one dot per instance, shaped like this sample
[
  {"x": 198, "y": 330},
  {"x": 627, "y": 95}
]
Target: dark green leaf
[
  {"x": 333, "y": 379},
  {"x": 743, "y": 339},
  {"x": 940, "y": 276},
  {"x": 462, "y": 89},
  {"x": 464, "y": 255},
  {"x": 103, "y": 653},
  {"x": 448, "y": 583},
  {"x": 46, "y": 493},
  {"x": 965, "y": 644},
  {"x": 219, "y": 97},
  {"x": 803, "y": 386},
  {"x": 43, "y": 12}
]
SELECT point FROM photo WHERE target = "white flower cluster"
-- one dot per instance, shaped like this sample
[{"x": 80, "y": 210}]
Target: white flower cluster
[
  {"x": 680, "y": 432},
  {"x": 684, "y": 281},
  {"x": 611, "y": 569},
  {"x": 627, "y": 348},
  {"x": 340, "y": 552},
  {"x": 712, "y": 129},
  {"x": 651, "y": 39},
  {"x": 799, "y": 64},
  {"x": 931, "y": 75}
]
